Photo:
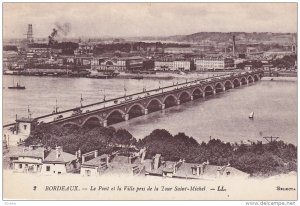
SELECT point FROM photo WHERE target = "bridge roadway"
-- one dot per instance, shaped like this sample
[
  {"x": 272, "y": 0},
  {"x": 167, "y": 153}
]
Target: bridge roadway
[{"x": 124, "y": 108}]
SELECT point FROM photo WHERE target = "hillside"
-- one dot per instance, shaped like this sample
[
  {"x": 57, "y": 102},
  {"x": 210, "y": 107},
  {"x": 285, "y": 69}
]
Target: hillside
[{"x": 242, "y": 37}]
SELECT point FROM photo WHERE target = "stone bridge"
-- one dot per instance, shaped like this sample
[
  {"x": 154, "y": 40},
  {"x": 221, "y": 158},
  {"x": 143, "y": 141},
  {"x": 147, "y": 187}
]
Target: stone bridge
[{"x": 131, "y": 106}]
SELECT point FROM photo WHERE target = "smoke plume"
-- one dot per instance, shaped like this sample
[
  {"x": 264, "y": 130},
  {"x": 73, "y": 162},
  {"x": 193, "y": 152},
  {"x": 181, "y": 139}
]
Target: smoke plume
[
  {"x": 59, "y": 29},
  {"x": 52, "y": 37},
  {"x": 63, "y": 28}
]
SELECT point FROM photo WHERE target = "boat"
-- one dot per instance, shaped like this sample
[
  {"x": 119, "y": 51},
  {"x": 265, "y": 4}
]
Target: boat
[
  {"x": 18, "y": 86},
  {"x": 251, "y": 115}
]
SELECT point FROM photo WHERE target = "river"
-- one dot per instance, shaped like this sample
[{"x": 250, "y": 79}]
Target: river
[{"x": 224, "y": 116}]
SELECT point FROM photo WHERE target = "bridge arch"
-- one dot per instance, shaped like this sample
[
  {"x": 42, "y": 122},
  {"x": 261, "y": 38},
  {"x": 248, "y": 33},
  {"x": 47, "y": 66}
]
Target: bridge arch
[
  {"x": 219, "y": 87},
  {"x": 154, "y": 99},
  {"x": 197, "y": 93},
  {"x": 135, "y": 110},
  {"x": 92, "y": 121},
  {"x": 228, "y": 85},
  {"x": 154, "y": 105},
  {"x": 208, "y": 90},
  {"x": 135, "y": 104},
  {"x": 236, "y": 82},
  {"x": 250, "y": 79},
  {"x": 170, "y": 100},
  {"x": 115, "y": 116},
  {"x": 184, "y": 96},
  {"x": 256, "y": 77},
  {"x": 244, "y": 80}
]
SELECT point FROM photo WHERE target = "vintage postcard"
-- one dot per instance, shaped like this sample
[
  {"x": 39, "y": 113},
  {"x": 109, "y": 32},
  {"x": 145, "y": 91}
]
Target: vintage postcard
[{"x": 149, "y": 101}]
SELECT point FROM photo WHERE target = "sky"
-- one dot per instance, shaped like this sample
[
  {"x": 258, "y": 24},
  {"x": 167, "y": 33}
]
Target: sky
[{"x": 146, "y": 19}]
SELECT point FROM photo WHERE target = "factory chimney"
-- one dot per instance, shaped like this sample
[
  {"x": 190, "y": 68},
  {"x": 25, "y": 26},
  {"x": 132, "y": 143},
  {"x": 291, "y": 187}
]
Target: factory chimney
[
  {"x": 233, "y": 46},
  {"x": 29, "y": 34},
  {"x": 294, "y": 45}
]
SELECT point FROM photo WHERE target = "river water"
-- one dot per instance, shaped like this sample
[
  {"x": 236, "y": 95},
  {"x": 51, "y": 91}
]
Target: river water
[{"x": 224, "y": 116}]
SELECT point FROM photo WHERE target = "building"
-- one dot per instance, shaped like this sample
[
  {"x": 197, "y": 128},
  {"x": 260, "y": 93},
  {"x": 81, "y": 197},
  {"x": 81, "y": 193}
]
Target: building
[
  {"x": 28, "y": 160},
  {"x": 92, "y": 164},
  {"x": 182, "y": 65},
  {"x": 163, "y": 65},
  {"x": 38, "y": 52},
  {"x": 95, "y": 166},
  {"x": 172, "y": 64},
  {"x": 59, "y": 162},
  {"x": 115, "y": 163},
  {"x": 24, "y": 126},
  {"x": 213, "y": 63},
  {"x": 248, "y": 67},
  {"x": 133, "y": 63},
  {"x": 277, "y": 53},
  {"x": 104, "y": 64},
  {"x": 117, "y": 64},
  {"x": 181, "y": 169}
]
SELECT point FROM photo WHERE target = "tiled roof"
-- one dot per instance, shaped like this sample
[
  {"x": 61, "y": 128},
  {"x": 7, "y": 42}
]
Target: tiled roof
[
  {"x": 122, "y": 169},
  {"x": 185, "y": 170},
  {"x": 63, "y": 157},
  {"x": 37, "y": 153}
]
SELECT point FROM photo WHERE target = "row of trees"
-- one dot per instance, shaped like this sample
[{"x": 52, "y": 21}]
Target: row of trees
[
  {"x": 73, "y": 138},
  {"x": 10, "y": 48},
  {"x": 287, "y": 61},
  {"x": 256, "y": 159}
]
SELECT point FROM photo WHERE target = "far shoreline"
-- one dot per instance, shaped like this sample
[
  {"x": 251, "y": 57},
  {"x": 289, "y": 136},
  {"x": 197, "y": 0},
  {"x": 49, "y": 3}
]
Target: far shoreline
[{"x": 288, "y": 79}]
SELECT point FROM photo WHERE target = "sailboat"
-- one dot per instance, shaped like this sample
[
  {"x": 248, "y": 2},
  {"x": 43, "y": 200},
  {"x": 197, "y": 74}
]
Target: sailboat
[
  {"x": 18, "y": 86},
  {"x": 251, "y": 115}
]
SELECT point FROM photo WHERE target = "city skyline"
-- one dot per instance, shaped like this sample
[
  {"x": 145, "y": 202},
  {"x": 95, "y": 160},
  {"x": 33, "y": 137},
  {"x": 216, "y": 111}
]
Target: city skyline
[{"x": 146, "y": 19}]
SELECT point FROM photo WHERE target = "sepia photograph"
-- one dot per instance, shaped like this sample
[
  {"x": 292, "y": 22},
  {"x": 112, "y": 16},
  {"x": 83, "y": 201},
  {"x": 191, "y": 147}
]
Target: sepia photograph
[{"x": 149, "y": 101}]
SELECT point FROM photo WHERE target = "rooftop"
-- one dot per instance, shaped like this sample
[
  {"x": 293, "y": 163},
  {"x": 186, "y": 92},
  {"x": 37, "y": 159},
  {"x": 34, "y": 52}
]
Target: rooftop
[
  {"x": 25, "y": 119},
  {"x": 64, "y": 157},
  {"x": 131, "y": 58},
  {"x": 95, "y": 161},
  {"x": 185, "y": 170},
  {"x": 28, "y": 152}
]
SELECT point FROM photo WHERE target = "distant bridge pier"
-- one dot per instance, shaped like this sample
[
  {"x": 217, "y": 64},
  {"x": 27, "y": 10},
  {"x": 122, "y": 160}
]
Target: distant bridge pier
[
  {"x": 214, "y": 91},
  {"x": 146, "y": 111},
  {"x": 163, "y": 106},
  {"x": 192, "y": 98},
  {"x": 203, "y": 94},
  {"x": 104, "y": 123},
  {"x": 126, "y": 117},
  {"x": 178, "y": 102}
]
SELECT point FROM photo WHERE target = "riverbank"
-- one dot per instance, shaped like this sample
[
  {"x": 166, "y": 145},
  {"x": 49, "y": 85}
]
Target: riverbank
[
  {"x": 287, "y": 79},
  {"x": 123, "y": 75}
]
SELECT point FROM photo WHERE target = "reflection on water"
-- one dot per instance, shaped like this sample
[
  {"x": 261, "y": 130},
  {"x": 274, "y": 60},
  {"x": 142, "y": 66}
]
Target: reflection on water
[{"x": 224, "y": 116}]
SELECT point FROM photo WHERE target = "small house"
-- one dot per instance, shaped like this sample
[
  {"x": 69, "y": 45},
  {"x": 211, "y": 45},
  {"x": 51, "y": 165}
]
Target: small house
[{"x": 60, "y": 162}]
